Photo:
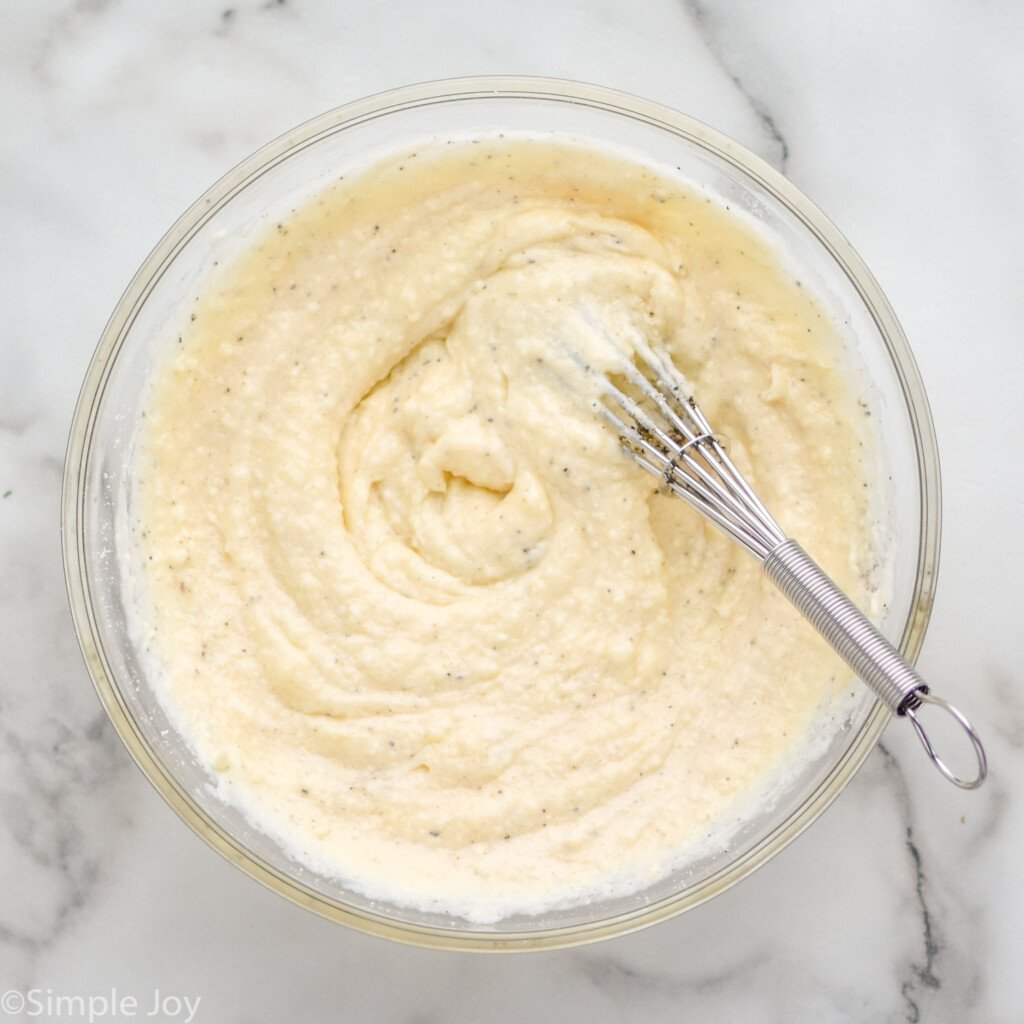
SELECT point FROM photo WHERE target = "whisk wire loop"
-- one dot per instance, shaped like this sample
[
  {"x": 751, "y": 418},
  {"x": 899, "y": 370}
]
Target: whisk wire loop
[{"x": 693, "y": 463}]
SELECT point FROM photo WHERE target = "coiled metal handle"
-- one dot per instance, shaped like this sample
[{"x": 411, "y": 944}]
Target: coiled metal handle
[{"x": 889, "y": 675}]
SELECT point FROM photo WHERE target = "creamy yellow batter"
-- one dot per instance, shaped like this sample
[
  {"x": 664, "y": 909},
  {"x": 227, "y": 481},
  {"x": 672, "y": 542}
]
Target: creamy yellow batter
[{"x": 411, "y": 602}]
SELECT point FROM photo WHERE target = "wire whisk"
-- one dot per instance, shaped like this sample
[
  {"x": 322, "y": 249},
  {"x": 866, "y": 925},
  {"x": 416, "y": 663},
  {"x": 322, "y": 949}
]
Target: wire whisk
[{"x": 661, "y": 427}]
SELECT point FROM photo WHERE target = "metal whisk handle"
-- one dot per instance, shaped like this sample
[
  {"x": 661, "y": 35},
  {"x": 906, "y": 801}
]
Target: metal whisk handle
[
  {"x": 893, "y": 680},
  {"x": 888, "y": 674}
]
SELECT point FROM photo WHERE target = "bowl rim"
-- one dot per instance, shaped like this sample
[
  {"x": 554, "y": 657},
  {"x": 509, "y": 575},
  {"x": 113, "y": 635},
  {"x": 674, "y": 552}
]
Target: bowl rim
[{"x": 512, "y": 87}]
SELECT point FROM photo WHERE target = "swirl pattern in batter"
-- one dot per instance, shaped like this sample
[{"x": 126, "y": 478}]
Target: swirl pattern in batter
[{"x": 411, "y": 604}]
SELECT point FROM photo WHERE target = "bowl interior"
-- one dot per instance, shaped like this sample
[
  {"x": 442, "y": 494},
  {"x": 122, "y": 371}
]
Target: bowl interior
[{"x": 98, "y": 485}]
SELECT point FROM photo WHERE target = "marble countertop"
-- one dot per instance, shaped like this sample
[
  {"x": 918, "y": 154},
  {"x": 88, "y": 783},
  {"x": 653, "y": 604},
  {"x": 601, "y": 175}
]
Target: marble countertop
[{"x": 905, "y": 122}]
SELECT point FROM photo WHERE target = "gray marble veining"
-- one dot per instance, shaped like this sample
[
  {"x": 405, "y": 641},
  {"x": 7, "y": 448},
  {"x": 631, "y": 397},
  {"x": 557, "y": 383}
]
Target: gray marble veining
[{"x": 715, "y": 37}]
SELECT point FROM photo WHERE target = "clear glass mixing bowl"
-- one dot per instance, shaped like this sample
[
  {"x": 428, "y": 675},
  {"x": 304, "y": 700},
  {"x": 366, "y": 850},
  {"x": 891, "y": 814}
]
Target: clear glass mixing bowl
[{"x": 96, "y": 493}]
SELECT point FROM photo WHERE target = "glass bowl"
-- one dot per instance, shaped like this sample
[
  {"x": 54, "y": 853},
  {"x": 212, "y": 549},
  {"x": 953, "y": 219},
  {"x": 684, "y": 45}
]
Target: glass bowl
[{"x": 97, "y": 496}]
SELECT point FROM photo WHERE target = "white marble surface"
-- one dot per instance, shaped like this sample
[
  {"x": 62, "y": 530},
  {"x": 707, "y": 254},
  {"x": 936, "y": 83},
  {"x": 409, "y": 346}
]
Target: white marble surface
[{"x": 904, "y": 121}]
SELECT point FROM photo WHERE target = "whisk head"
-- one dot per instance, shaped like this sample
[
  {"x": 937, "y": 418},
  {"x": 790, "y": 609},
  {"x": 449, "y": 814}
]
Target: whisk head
[{"x": 662, "y": 428}]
